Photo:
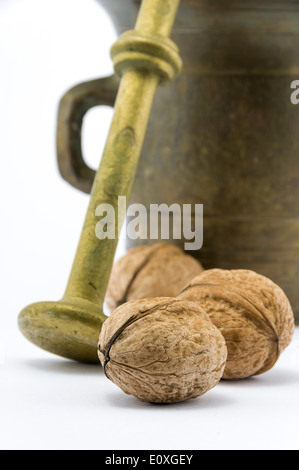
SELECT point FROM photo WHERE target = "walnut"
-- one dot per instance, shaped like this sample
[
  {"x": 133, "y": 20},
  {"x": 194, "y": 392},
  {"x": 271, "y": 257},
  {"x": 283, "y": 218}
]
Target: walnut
[
  {"x": 253, "y": 314},
  {"x": 161, "y": 270},
  {"x": 162, "y": 350}
]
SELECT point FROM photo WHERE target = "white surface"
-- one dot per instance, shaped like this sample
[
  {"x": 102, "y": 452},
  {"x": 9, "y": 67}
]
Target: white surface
[{"x": 47, "y": 402}]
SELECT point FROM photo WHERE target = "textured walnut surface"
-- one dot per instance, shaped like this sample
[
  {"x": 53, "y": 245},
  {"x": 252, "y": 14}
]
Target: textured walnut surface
[
  {"x": 161, "y": 270},
  {"x": 162, "y": 350},
  {"x": 253, "y": 314}
]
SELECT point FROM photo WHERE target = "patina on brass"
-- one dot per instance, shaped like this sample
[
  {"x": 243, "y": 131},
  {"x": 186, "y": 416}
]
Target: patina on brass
[
  {"x": 232, "y": 138},
  {"x": 144, "y": 57}
]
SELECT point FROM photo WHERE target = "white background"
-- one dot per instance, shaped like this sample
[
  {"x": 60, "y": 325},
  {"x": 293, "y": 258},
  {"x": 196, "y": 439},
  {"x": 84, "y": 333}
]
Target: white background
[{"x": 47, "y": 402}]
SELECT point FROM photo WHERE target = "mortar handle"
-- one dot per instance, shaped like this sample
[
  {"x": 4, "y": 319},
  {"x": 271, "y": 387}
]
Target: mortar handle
[{"x": 73, "y": 107}]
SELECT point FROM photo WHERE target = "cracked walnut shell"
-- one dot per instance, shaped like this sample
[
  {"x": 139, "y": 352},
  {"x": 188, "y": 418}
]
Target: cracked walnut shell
[
  {"x": 160, "y": 270},
  {"x": 253, "y": 314},
  {"x": 162, "y": 350}
]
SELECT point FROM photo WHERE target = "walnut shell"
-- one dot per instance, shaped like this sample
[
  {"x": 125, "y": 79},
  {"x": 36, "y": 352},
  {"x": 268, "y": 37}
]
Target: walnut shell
[
  {"x": 162, "y": 350},
  {"x": 160, "y": 270},
  {"x": 253, "y": 314}
]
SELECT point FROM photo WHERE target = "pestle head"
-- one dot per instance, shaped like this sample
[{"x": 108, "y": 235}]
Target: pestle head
[{"x": 69, "y": 328}]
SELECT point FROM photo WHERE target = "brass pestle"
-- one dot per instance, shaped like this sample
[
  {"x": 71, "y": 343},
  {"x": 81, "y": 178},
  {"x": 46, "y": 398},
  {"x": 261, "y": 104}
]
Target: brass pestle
[{"x": 144, "y": 58}]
